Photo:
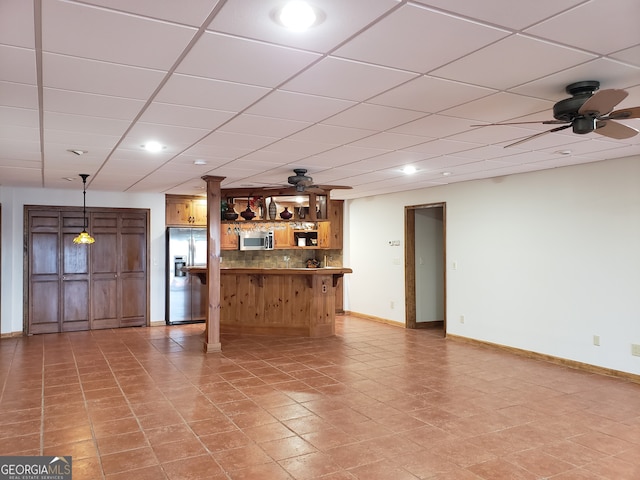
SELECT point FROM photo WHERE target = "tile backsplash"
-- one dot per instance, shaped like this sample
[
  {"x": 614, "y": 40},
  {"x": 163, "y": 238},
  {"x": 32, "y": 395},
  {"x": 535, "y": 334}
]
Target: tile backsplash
[{"x": 278, "y": 258}]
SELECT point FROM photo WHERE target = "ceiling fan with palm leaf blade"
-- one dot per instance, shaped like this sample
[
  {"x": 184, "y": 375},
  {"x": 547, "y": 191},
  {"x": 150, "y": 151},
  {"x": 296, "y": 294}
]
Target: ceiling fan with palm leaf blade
[
  {"x": 304, "y": 183},
  {"x": 587, "y": 110}
]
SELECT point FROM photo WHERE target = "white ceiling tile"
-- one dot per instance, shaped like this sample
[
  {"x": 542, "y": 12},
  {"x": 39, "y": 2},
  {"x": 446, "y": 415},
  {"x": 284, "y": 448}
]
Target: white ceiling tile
[
  {"x": 588, "y": 145},
  {"x": 629, "y": 55},
  {"x": 610, "y": 74},
  {"x": 349, "y": 80},
  {"x": 246, "y": 61},
  {"x": 418, "y": 94},
  {"x": 265, "y": 126},
  {"x": 253, "y": 19},
  {"x": 502, "y": 12},
  {"x": 331, "y": 134},
  {"x": 19, "y": 117},
  {"x": 111, "y": 36},
  {"x": 442, "y": 147},
  {"x": 18, "y": 95},
  {"x": 19, "y": 133},
  {"x": 80, "y": 124},
  {"x": 168, "y": 114},
  {"x": 298, "y": 106},
  {"x": 270, "y": 157},
  {"x": 344, "y": 155},
  {"x": 496, "y": 134},
  {"x": 87, "y": 104},
  {"x": 500, "y": 107},
  {"x": 488, "y": 152},
  {"x": 174, "y": 138},
  {"x": 217, "y": 152},
  {"x": 195, "y": 14},
  {"x": 299, "y": 149},
  {"x": 79, "y": 140},
  {"x": 503, "y": 65},
  {"x": 131, "y": 161},
  {"x": 388, "y": 160},
  {"x": 15, "y": 151},
  {"x": 21, "y": 176},
  {"x": 16, "y": 23},
  {"x": 373, "y": 117},
  {"x": 23, "y": 65},
  {"x": 389, "y": 141},
  {"x": 230, "y": 139},
  {"x": 207, "y": 93},
  {"x": 387, "y": 42},
  {"x": 619, "y": 152},
  {"x": 181, "y": 160},
  {"x": 580, "y": 26},
  {"x": 446, "y": 163},
  {"x": 434, "y": 126},
  {"x": 89, "y": 76}
]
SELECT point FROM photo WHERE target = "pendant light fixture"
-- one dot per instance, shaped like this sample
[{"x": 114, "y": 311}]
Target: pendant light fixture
[{"x": 84, "y": 237}]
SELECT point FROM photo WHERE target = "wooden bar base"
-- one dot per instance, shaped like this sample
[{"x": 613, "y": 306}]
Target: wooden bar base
[{"x": 279, "y": 301}]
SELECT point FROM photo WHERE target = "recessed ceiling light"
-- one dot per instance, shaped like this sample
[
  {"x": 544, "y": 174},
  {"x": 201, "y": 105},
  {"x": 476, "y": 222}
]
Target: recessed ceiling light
[
  {"x": 76, "y": 151},
  {"x": 564, "y": 152},
  {"x": 199, "y": 162},
  {"x": 446, "y": 174},
  {"x": 153, "y": 147},
  {"x": 298, "y": 16},
  {"x": 409, "y": 169},
  {"x": 68, "y": 179}
]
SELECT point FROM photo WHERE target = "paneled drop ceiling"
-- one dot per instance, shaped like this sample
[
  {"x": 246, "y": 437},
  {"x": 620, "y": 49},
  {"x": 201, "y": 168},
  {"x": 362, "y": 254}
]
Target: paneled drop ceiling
[{"x": 378, "y": 85}]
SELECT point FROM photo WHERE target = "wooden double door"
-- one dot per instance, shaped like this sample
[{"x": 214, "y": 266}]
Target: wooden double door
[{"x": 82, "y": 287}]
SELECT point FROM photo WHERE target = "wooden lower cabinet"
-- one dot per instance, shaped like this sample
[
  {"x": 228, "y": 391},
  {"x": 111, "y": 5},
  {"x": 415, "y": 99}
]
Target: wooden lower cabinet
[{"x": 82, "y": 287}]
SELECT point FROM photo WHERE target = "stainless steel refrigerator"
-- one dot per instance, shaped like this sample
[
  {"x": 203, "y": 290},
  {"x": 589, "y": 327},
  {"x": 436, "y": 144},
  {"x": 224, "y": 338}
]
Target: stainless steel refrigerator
[{"x": 186, "y": 296}]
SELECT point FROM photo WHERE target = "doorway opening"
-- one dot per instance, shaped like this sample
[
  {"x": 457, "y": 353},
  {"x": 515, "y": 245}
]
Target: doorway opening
[{"x": 425, "y": 272}]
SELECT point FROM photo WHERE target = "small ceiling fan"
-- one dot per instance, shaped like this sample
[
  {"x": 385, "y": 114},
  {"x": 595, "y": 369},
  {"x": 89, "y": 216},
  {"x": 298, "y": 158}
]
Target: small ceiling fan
[
  {"x": 304, "y": 183},
  {"x": 586, "y": 111}
]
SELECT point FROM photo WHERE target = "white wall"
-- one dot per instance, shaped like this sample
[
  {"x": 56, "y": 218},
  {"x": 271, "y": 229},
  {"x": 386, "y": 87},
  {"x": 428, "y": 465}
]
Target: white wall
[
  {"x": 545, "y": 260},
  {"x": 13, "y": 201}
]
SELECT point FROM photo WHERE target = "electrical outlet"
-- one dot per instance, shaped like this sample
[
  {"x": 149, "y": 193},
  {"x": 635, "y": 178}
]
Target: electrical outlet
[
  {"x": 635, "y": 350},
  {"x": 596, "y": 340},
  {"x": 461, "y": 318},
  {"x": 392, "y": 304}
]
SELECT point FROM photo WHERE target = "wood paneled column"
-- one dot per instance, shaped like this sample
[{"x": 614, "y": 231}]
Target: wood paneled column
[{"x": 212, "y": 330}]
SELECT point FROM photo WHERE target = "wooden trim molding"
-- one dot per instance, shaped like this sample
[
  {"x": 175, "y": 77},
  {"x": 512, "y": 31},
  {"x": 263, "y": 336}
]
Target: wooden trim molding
[
  {"x": 376, "y": 319},
  {"x": 548, "y": 358}
]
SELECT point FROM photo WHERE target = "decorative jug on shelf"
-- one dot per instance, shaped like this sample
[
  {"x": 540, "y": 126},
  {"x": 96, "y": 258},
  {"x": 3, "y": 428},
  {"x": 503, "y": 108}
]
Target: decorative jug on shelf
[
  {"x": 247, "y": 214},
  {"x": 273, "y": 209},
  {"x": 286, "y": 214},
  {"x": 230, "y": 213}
]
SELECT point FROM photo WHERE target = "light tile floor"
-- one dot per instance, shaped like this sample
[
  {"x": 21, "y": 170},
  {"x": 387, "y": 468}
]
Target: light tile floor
[{"x": 373, "y": 402}]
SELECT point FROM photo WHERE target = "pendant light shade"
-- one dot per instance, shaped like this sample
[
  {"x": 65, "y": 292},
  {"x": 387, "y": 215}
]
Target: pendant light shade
[{"x": 84, "y": 237}]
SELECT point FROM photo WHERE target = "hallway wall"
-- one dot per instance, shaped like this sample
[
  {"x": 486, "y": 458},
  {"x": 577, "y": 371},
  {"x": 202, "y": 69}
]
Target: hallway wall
[{"x": 545, "y": 260}]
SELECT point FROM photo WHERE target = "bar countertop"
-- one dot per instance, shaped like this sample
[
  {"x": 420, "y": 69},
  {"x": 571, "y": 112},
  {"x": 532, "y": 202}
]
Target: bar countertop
[{"x": 202, "y": 270}]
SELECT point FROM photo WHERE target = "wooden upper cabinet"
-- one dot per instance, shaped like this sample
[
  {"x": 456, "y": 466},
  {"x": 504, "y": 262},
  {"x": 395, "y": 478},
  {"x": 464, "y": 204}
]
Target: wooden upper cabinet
[
  {"x": 185, "y": 210},
  {"x": 336, "y": 219},
  {"x": 324, "y": 234},
  {"x": 228, "y": 238}
]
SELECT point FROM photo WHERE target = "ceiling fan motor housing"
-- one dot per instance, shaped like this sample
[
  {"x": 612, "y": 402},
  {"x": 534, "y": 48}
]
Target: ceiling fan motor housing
[
  {"x": 300, "y": 179},
  {"x": 567, "y": 110}
]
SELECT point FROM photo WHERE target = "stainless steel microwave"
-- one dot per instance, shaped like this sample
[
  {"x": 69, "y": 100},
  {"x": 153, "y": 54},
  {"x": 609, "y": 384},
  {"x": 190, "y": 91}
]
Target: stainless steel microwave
[{"x": 256, "y": 240}]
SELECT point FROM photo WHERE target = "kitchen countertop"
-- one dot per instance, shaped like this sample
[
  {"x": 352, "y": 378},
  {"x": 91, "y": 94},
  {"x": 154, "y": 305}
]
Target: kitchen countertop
[
  {"x": 271, "y": 271},
  {"x": 201, "y": 271}
]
